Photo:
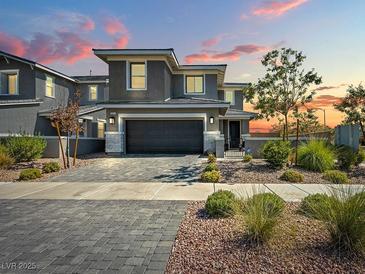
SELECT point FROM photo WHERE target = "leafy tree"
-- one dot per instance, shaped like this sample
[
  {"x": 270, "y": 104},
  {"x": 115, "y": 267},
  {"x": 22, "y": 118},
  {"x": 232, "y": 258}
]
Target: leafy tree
[
  {"x": 284, "y": 87},
  {"x": 353, "y": 105}
]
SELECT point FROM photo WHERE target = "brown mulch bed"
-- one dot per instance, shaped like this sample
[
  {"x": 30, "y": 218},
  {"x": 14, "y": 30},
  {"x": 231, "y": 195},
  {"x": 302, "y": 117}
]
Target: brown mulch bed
[
  {"x": 301, "y": 245},
  {"x": 12, "y": 174},
  {"x": 259, "y": 172}
]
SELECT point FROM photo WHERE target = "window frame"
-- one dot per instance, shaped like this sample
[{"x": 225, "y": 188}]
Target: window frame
[
  {"x": 185, "y": 84},
  {"x": 89, "y": 89},
  {"x": 10, "y": 71},
  {"x": 233, "y": 102},
  {"x": 53, "y": 86},
  {"x": 129, "y": 75}
]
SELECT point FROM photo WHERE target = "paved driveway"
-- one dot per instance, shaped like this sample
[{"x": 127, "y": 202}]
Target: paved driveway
[
  {"x": 69, "y": 236},
  {"x": 156, "y": 168}
]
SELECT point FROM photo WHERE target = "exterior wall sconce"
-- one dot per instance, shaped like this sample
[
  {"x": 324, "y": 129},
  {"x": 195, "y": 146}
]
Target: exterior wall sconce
[
  {"x": 111, "y": 120},
  {"x": 211, "y": 120}
]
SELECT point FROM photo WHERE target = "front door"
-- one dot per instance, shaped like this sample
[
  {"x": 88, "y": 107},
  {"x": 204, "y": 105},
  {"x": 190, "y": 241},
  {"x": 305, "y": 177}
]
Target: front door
[{"x": 234, "y": 134}]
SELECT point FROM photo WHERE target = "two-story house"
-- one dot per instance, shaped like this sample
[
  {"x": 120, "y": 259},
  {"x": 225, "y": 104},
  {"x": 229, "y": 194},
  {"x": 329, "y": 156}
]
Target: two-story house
[
  {"x": 29, "y": 92},
  {"x": 156, "y": 105}
]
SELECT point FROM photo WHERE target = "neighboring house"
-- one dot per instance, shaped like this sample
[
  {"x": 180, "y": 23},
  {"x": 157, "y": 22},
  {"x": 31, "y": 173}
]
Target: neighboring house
[
  {"x": 156, "y": 105},
  {"x": 29, "y": 92}
]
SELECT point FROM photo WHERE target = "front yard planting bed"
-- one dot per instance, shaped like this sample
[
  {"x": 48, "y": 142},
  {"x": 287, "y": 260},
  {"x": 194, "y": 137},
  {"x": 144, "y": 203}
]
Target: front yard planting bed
[
  {"x": 300, "y": 245},
  {"x": 259, "y": 172},
  {"x": 12, "y": 174}
]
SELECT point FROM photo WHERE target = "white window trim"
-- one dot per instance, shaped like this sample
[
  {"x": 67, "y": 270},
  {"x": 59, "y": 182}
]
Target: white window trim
[
  {"x": 233, "y": 96},
  {"x": 17, "y": 81},
  {"x": 53, "y": 84},
  {"x": 128, "y": 84},
  {"x": 89, "y": 86},
  {"x": 194, "y": 93}
]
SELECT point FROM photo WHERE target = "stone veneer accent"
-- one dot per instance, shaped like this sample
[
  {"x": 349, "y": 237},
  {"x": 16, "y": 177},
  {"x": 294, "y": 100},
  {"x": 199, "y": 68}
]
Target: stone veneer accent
[
  {"x": 209, "y": 140},
  {"x": 114, "y": 142}
]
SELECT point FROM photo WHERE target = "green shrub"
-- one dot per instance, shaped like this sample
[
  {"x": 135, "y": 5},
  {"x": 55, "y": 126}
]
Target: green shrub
[
  {"x": 247, "y": 158},
  {"x": 3, "y": 149},
  {"x": 25, "y": 148},
  {"x": 346, "y": 157},
  {"x": 211, "y": 176},
  {"x": 336, "y": 177},
  {"x": 260, "y": 215},
  {"x": 292, "y": 176},
  {"x": 360, "y": 157},
  {"x": 220, "y": 203},
  {"x": 211, "y": 167},
  {"x": 276, "y": 152},
  {"x": 309, "y": 204},
  {"x": 5, "y": 160},
  {"x": 343, "y": 216},
  {"x": 51, "y": 167},
  {"x": 316, "y": 156},
  {"x": 30, "y": 174},
  {"x": 211, "y": 158}
]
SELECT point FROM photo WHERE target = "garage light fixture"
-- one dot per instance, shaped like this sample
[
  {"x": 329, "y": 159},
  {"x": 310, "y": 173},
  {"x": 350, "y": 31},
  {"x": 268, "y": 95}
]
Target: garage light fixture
[
  {"x": 211, "y": 120},
  {"x": 111, "y": 120}
]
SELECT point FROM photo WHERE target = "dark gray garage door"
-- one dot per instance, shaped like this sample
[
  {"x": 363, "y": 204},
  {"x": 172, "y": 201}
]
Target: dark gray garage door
[{"x": 168, "y": 136}]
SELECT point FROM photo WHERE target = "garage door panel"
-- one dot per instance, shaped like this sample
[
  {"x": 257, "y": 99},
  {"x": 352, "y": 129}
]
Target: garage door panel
[{"x": 164, "y": 136}]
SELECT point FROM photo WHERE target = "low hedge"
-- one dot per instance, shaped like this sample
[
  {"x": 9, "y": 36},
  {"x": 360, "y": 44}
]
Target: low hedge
[
  {"x": 211, "y": 176},
  {"x": 220, "y": 204},
  {"x": 30, "y": 174},
  {"x": 336, "y": 177},
  {"x": 51, "y": 167},
  {"x": 292, "y": 176},
  {"x": 25, "y": 148}
]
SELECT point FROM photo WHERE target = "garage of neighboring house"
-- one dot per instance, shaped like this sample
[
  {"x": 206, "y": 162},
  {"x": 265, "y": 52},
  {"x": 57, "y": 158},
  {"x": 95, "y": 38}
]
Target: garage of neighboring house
[{"x": 164, "y": 136}]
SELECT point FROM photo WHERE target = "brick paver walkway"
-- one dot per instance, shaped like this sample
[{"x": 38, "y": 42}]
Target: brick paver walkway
[{"x": 70, "y": 236}]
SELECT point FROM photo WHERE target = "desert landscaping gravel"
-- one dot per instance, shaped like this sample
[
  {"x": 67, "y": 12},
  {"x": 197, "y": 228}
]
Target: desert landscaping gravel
[
  {"x": 12, "y": 174},
  {"x": 301, "y": 245},
  {"x": 259, "y": 172}
]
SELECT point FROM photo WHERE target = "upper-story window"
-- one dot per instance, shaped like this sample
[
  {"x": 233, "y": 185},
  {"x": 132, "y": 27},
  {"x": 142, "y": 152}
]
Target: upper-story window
[
  {"x": 93, "y": 93},
  {"x": 229, "y": 97},
  {"x": 137, "y": 75},
  {"x": 50, "y": 86},
  {"x": 9, "y": 82},
  {"x": 194, "y": 84}
]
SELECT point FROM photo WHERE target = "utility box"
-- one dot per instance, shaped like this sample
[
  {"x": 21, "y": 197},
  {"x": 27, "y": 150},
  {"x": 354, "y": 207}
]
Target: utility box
[{"x": 348, "y": 135}]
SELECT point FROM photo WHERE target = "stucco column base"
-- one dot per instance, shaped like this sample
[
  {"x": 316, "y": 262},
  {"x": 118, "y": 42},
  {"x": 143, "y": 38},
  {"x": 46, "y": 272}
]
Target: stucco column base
[
  {"x": 114, "y": 142},
  {"x": 219, "y": 146},
  {"x": 209, "y": 141}
]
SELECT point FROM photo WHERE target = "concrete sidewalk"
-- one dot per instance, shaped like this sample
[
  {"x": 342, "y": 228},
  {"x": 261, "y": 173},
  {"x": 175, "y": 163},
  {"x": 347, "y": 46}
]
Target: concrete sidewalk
[{"x": 152, "y": 190}]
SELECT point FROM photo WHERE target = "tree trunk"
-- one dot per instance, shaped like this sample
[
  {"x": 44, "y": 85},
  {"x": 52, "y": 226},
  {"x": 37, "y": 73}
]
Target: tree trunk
[
  {"x": 76, "y": 146},
  {"x": 286, "y": 131},
  {"x": 68, "y": 150},
  {"x": 297, "y": 144},
  {"x": 60, "y": 141}
]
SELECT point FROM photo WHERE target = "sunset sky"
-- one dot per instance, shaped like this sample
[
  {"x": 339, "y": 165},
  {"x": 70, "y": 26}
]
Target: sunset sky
[{"x": 60, "y": 34}]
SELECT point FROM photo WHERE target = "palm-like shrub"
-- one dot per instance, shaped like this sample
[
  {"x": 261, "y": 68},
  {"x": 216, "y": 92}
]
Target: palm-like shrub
[
  {"x": 347, "y": 157},
  {"x": 336, "y": 177},
  {"x": 292, "y": 176},
  {"x": 220, "y": 204},
  {"x": 344, "y": 217},
  {"x": 276, "y": 153},
  {"x": 316, "y": 155},
  {"x": 260, "y": 215}
]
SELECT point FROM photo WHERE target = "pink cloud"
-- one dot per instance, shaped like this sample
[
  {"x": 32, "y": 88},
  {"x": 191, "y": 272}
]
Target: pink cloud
[
  {"x": 122, "y": 42},
  {"x": 113, "y": 26},
  {"x": 87, "y": 25},
  {"x": 12, "y": 44},
  {"x": 277, "y": 8},
  {"x": 244, "y": 17},
  {"x": 232, "y": 55},
  {"x": 211, "y": 42}
]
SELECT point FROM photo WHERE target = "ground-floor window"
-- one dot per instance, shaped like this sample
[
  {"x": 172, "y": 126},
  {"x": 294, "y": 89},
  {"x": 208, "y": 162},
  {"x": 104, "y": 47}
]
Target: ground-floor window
[{"x": 101, "y": 129}]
